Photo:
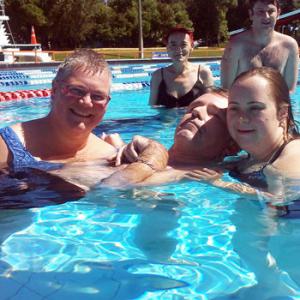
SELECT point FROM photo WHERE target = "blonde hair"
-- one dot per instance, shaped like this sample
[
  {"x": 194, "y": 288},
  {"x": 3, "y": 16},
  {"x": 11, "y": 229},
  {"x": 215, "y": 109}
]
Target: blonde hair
[{"x": 86, "y": 59}]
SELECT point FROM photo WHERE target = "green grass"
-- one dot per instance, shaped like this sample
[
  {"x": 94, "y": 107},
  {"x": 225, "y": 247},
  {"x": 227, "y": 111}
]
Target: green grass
[{"x": 133, "y": 53}]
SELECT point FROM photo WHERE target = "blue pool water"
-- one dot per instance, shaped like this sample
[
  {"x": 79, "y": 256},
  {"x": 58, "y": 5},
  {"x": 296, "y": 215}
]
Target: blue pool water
[{"x": 178, "y": 241}]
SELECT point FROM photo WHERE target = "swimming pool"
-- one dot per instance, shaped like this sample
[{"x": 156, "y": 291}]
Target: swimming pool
[{"x": 177, "y": 241}]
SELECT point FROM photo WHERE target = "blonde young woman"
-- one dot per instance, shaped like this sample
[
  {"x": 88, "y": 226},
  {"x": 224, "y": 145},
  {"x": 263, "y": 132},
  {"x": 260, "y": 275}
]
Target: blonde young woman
[{"x": 181, "y": 82}]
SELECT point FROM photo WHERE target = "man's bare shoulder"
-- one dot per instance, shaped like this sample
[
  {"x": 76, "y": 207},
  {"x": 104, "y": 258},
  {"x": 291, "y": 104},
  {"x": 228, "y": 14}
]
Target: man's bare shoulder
[
  {"x": 237, "y": 44},
  {"x": 95, "y": 140},
  {"x": 97, "y": 148},
  {"x": 203, "y": 69},
  {"x": 157, "y": 74},
  {"x": 285, "y": 39},
  {"x": 241, "y": 39}
]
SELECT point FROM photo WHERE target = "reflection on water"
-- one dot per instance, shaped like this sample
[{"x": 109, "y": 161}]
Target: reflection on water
[
  {"x": 87, "y": 280},
  {"x": 284, "y": 200},
  {"x": 168, "y": 240},
  {"x": 183, "y": 241},
  {"x": 35, "y": 188},
  {"x": 268, "y": 248}
]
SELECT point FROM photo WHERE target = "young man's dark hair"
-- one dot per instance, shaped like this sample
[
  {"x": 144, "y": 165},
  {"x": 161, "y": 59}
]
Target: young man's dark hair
[{"x": 251, "y": 3}]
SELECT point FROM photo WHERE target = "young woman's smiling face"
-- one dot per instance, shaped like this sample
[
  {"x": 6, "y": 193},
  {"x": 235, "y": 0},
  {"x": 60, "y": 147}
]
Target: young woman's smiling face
[
  {"x": 179, "y": 46},
  {"x": 252, "y": 115}
]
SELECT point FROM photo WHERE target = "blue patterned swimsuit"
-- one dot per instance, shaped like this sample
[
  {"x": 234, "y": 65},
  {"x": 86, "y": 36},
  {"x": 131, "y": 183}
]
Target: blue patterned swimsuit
[
  {"x": 21, "y": 158},
  {"x": 27, "y": 174}
]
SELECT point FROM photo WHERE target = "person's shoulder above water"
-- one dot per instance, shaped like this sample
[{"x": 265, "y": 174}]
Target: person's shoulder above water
[
  {"x": 206, "y": 76},
  {"x": 288, "y": 49},
  {"x": 288, "y": 163},
  {"x": 170, "y": 89},
  {"x": 231, "y": 56},
  {"x": 4, "y": 153},
  {"x": 154, "y": 86},
  {"x": 181, "y": 82}
]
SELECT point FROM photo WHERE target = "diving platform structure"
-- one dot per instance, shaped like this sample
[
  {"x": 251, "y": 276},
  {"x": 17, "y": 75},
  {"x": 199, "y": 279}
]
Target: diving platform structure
[{"x": 11, "y": 52}]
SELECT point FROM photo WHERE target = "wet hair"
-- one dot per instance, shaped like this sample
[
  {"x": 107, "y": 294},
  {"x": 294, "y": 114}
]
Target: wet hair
[
  {"x": 251, "y": 3},
  {"x": 84, "y": 59},
  {"x": 280, "y": 91},
  {"x": 180, "y": 29}
]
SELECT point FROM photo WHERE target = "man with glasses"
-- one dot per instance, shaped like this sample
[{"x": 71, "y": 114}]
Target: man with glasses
[
  {"x": 63, "y": 142},
  {"x": 261, "y": 46}
]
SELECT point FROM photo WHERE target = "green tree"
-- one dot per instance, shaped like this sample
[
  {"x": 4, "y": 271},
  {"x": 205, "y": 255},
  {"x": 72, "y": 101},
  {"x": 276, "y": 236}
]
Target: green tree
[
  {"x": 24, "y": 14},
  {"x": 102, "y": 34},
  {"x": 209, "y": 18},
  {"x": 158, "y": 17},
  {"x": 238, "y": 17},
  {"x": 289, "y": 5},
  {"x": 71, "y": 21},
  {"x": 158, "y": 22}
]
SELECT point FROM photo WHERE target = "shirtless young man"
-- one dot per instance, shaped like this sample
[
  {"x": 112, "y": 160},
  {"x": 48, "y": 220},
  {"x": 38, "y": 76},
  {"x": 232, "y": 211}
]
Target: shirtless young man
[{"x": 261, "y": 46}]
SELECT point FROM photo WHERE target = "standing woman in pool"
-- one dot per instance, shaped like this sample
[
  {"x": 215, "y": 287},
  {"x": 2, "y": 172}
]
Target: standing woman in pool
[{"x": 181, "y": 82}]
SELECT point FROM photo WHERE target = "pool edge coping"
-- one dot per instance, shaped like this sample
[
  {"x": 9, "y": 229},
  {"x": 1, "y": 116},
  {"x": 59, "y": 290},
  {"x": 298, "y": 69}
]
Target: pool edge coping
[{"x": 6, "y": 66}]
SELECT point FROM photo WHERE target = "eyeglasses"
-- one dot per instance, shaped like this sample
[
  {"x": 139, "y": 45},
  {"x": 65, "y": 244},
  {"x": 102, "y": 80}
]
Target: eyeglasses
[{"x": 80, "y": 92}]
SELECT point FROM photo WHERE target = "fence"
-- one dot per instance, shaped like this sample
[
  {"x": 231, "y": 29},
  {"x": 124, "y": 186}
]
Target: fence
[{"x": 37, "y": 56}]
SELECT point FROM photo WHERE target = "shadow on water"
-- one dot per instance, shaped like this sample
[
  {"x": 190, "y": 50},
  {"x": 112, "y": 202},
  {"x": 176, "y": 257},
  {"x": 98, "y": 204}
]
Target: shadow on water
[
  {"x": 267, "y": 246},
  {"x": 89, "y": 280},
  {"x": 123, "y": 279},
  {"x": 35, "y": 188},
  {"x": 158, "y": 214}
]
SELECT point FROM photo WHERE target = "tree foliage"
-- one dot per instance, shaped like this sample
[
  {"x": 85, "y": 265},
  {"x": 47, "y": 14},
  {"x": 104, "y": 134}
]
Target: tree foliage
[{"x": 67, "y": 24}]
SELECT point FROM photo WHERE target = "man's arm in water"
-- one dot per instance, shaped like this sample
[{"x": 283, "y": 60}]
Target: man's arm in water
[{"x": 145, "y": 157}]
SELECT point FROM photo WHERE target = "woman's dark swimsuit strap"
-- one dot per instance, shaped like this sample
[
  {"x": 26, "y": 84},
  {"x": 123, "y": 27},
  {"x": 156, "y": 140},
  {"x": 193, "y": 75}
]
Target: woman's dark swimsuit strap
[
  {"x": 257, "y": 178},
  {"x": 170, "y": 101},
  {"x": 21, "y": 158}
]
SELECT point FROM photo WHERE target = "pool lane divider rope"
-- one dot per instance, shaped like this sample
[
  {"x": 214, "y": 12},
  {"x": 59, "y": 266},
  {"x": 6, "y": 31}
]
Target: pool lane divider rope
[
  {"x": 22, "y": 95},
  {"x": 45, "y": 93}
]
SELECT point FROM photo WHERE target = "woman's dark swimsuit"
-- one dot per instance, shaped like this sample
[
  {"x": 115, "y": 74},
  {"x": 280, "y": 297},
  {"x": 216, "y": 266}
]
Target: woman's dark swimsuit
[
  {"x": 170, "y": 101},
  {"x": 258, "y": 180}
]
